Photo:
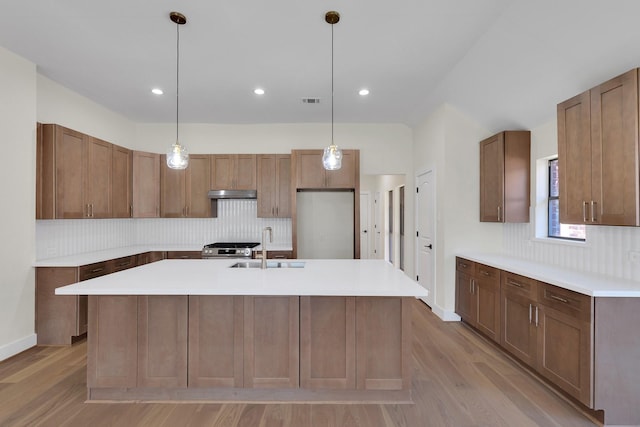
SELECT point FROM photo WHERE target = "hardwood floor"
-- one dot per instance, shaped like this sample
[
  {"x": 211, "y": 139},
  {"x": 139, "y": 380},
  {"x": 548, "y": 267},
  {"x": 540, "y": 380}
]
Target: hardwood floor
[{"x": 459, "y": 380}]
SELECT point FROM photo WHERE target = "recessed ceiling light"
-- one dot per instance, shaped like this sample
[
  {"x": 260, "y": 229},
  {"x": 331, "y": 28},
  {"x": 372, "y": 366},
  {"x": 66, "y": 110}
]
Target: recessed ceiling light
[
  {"x": 157, "y": 91},
  {"x": 363, "y": 92},
  {"x": 258, "y": 91}
]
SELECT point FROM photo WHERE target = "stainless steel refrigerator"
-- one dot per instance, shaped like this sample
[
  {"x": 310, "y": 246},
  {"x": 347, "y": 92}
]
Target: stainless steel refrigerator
[{"x": 325, "y": 224}]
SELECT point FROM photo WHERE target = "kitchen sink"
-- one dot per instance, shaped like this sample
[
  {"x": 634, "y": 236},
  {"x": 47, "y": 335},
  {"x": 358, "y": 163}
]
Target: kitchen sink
[{"x": 270, "y": 264}]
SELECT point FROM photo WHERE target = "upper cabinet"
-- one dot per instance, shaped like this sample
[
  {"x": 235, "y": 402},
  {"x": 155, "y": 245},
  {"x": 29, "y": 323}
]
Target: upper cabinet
[
  {"x": 184, "y": 192},
  {"x": 122, "y": 182},
  {"x": 310, "y": 174},
  {"x": 233, "y": 172},
  {"x": 74, "y": 175},
  {"x": 598, "y": 154},
  {"x": 274, "y": 185},
  {"x": 146, "y": 185},
  {"x": 505, "y": 164}
]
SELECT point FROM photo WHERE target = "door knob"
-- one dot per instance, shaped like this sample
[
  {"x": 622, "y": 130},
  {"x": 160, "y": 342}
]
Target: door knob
[{"x": 430, "y": 246}]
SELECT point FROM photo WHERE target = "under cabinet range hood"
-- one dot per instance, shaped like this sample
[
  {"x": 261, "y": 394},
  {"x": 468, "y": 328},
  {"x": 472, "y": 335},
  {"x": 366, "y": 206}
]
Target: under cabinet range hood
[{"x": 232, "y": 194}]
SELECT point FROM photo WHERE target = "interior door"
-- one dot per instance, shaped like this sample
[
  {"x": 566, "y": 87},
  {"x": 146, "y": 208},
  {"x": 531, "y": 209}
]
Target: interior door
[
  {"x": 425, "y": 233},
  {"x": 365, "y": 225}
]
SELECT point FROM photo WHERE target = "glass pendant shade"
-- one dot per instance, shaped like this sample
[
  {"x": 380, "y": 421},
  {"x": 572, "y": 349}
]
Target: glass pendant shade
[
  {"x": 332, "y": 158},
  {"x": 177, "y": 156}
]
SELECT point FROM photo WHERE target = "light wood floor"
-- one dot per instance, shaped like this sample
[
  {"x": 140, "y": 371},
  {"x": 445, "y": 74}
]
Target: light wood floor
[{"x": 459, "y": 380}]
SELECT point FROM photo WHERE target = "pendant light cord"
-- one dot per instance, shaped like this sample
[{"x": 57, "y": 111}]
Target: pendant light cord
[
  {"x": 332, "y": 84},
  {"x": 177, "y": 78}
]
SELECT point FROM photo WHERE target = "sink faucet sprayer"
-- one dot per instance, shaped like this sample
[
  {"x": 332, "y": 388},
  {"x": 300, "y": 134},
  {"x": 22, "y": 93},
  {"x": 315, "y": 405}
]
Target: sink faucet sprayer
[{"x": 264, "y": 245}]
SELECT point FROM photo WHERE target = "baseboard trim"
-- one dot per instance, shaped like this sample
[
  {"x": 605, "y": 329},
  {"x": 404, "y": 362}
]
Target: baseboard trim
[
  {"x": 18, "y": 346},
  {"x": 445, "y": 315}
]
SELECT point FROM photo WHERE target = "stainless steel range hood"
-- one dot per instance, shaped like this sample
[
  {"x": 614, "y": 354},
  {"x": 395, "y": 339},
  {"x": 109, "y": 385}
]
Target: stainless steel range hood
[{"x": 232, "y": 194}]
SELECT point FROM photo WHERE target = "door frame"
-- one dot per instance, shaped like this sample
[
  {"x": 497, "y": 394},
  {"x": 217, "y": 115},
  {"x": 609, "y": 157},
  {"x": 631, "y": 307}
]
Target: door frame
[{"x": 368, "y": 252}]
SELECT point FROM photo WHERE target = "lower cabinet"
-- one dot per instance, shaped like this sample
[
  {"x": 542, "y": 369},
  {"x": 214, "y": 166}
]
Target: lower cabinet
[
  {"x": 546, "y": 327},
  {"x": 478, "y": 296},
  {"x": 213, "y": 342}
]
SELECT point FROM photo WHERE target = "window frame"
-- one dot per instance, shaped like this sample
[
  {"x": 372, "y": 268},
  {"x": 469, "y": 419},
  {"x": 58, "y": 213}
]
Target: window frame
[{"x": 550, "y": 198}]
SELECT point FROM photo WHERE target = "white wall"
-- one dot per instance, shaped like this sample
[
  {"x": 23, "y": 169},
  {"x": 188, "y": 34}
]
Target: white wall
[
  {"x": 447, "y": 143},
  {"x": 17, "y": 217}
]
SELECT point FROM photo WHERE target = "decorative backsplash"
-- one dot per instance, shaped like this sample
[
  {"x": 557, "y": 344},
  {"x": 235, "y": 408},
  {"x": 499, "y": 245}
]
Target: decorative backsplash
[
  {"x": 607, "y": 250},
  {"x": 237, "y": 221}
]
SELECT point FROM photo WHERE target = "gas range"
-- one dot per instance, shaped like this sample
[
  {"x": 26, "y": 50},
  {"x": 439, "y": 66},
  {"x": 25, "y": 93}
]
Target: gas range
[{"x": 228, "y": 250}]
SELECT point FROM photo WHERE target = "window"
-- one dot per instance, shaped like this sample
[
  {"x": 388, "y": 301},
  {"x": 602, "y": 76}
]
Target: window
[{"x": 555, "y": 228}]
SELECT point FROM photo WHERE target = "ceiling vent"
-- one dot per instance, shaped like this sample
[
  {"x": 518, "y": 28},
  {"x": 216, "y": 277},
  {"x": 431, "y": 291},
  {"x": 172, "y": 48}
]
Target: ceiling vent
[{"x": 311, "y": 100}]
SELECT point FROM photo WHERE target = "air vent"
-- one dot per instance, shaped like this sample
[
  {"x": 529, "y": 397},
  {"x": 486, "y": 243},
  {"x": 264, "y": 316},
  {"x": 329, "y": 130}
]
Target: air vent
[{"x": 311, "y": 100}]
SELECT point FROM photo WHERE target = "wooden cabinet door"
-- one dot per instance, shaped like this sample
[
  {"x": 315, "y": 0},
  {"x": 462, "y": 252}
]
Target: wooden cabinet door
[
  {"x": 309, "y": 170},
  {"x": 146, "y": 185},
  {"x": 216, "y": 340},
  {"x": 382, "y": 355},
  {"x": 271, "y": 342},
  {"x": 487, "y": 298},
  {"x": 283, "y": 185},
  {"x": 519, "y": 317},
  {"x": 564, "y": 340},
  {"x": 465, "y": 298},
  {"x": 347, "y": 176},
  {"x": 70, "y": 182},
  {"x": 162, "y": 341},
  {"x": 328, "y": 342},
  {"x": 267, "y": 181},
  {"x": 244, "y": 172},
  {"x": 122, "y": 182},
  {"x": 173, "y": 191},
  {"x": 198, "y": 184},
  {"x": 222, "y": 171},
  {"x": 98, "y": 192},
  {"x": 492, "y": 179},
  {"x": 574, "y": 158},
  {"x": 112, "y": 350},
  {"x": 614, "y": 150}
]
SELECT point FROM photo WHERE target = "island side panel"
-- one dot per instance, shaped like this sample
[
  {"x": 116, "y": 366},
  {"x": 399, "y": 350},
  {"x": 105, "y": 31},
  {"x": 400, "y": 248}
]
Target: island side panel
[
  {"x": 383, "y": 343},
  {"x": 216, "y": 340},
  {"x": 162, "y": 341},
  {"x": 56, "y": 315},
  {"x": 327, "y": 342},
  {"x": 617, "y": 352},
  {"x": 271, "y": 341},
  {"x": 112, "y": 341}
]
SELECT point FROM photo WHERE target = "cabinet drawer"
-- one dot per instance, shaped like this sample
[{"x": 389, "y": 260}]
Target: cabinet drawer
[
  {"x": 568, "y": 302},
  {"x": 520, "y": 285},
  {"x": 90, "y": 271},
  {"x": 465, "y": 265},
  {"x": 486, "y": 272},
  {"x": 123, "y": 263},
  {"x": 184, "y": 254}
]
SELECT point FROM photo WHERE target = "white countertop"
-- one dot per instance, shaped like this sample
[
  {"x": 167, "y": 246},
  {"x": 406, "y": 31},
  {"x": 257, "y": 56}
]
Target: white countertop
[
  {"x": 99, "y": 256},
  {"x": 214, "y": 277},
  {"x": 589, "y": 284}
]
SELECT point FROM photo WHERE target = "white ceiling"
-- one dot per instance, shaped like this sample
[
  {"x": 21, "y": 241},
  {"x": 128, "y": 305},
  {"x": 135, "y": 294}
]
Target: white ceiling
[{"x": 506, "y": 63}]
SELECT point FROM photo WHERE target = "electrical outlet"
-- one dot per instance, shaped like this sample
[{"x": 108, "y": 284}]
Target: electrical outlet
[{"x": 634, "y": 257}]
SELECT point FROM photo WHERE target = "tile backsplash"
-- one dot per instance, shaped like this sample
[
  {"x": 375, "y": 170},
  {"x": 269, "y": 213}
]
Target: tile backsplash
[
  {"x": 237, "y": 221},
  {"x": 607, "y": 251}
]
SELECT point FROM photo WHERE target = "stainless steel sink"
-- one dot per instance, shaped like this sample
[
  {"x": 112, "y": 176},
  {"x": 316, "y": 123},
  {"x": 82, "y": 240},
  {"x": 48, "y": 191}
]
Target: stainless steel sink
[{"x": 270, "y": 264}]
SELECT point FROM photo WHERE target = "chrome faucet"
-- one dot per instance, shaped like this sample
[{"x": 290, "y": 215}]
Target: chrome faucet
[{"x": 264, "y": 245}]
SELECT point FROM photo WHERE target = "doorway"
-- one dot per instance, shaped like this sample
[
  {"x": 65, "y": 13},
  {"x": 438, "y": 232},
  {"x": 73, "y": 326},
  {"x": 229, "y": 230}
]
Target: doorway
[{"x": 425, "y": 227}]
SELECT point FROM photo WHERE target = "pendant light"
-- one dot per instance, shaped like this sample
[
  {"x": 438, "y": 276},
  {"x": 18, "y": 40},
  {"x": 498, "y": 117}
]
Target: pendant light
[
  {"x": 332, "y": 156},
  {"x": 177, "y": 155}
]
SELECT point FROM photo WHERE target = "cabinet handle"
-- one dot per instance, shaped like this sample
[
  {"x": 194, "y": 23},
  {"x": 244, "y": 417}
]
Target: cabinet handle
[
  {"x": 131, "y": 211},
  {"x": 498, "y": 213},
  {"x": 277, "y": 210},
  {"x": 279, "y": 257},
  {"x": 97, "y": 270},
  {"x": 593, "y": 211},
  {"x": 123, "y": 263},
  {"x": 536, "y": 316},
  {"x": 484, "y": 273},
  {"x": 584, "y": 211},
  {"x": 530, "y": 313},
  {"x": 464, "y": 265},
  {"x": 511, "y": 282},
  {"x": 557, "y": 298},
  {"x": 470, "y": 286},
  {"x": 91, "y": 210},
  {"x": 273, "y": 210}
]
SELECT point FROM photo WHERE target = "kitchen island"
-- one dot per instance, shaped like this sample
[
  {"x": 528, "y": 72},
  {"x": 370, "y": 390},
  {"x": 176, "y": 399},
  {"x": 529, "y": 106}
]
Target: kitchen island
[{"x": 202, "y": 330}]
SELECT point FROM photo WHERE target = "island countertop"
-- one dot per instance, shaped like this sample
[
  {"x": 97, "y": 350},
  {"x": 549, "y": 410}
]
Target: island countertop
[{"x": 215, "y": 277}]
